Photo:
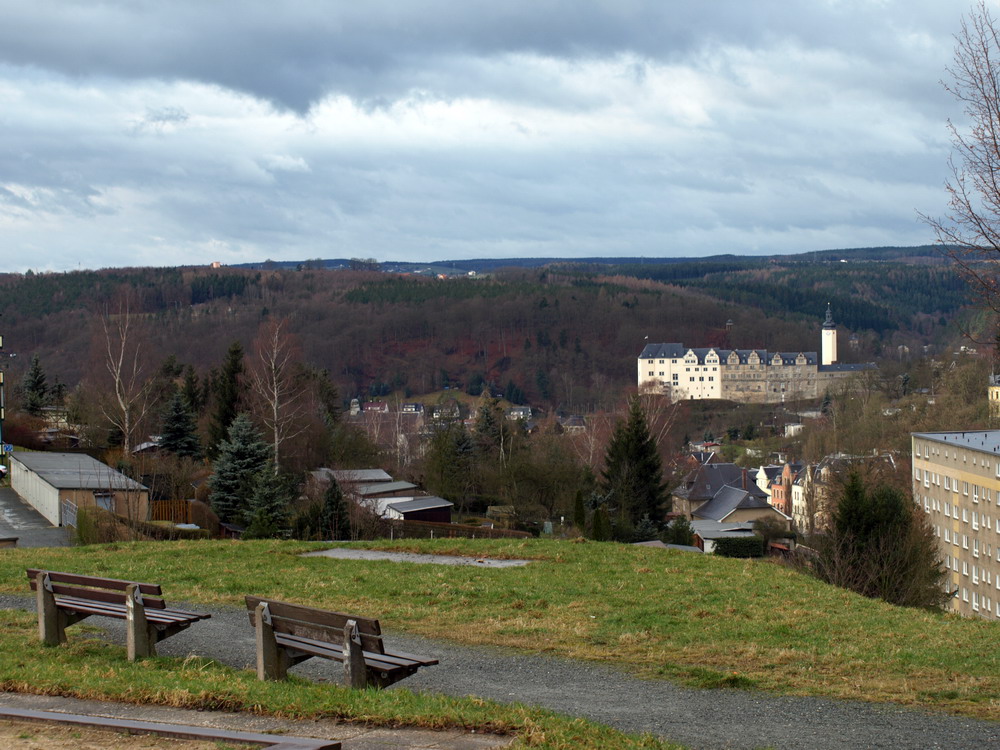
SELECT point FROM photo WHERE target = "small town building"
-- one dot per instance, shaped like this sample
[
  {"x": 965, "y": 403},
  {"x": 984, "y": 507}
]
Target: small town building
[
  {"x": 55, "y": 484},
  {"x": 431, "y": 509}
]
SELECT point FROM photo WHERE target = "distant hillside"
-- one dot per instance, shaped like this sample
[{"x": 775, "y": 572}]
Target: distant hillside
[
  {"x": 563, "y": 334},
  {"x": 922, "y": 254}
]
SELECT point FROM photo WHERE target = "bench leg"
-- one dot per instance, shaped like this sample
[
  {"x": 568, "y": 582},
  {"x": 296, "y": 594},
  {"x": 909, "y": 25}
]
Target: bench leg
[
  {"x": 355, "y": 672},
  {"x": 141, "y": 640},
  {"x": 51, "y": 622},
  {"x": 272, "y": 663}
]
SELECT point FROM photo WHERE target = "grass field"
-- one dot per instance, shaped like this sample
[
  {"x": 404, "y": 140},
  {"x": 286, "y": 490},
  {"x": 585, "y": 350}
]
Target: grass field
[{"x": 704, "y": 621}]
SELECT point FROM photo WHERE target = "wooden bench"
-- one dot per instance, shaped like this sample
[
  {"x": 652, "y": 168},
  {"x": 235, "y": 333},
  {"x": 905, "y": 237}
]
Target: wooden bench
[
  {"x": 291, "y": 633},
  {"x": 66, "y": 598}
]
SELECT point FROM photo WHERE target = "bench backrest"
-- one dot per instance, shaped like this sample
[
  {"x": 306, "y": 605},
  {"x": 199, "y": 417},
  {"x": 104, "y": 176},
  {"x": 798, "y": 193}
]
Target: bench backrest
[
  {"x": 318, "y": 624},
  {"x": 92, "y": 588}
]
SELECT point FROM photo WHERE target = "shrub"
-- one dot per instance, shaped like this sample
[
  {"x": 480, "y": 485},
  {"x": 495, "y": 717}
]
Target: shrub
[{"x": 747, "y": 546}]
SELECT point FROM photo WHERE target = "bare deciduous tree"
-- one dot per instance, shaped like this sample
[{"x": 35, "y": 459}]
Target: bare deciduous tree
[
  {"x": 124, "y": 360},
  {"x": 276, "y": 380},
  {"x": 970, "y": 231}
]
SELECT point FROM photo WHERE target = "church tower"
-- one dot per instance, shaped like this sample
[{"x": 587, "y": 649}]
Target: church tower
[{"x": 829, "y": 343}]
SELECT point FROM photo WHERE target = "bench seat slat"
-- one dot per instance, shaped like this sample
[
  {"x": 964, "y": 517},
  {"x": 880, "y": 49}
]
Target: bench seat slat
[
  {"x": 118, "y": 611},
  {"x": 336, "y": 653}
]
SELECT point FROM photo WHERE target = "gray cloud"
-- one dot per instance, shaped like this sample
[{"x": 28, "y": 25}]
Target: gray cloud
[{"x": 147, "y": 132}]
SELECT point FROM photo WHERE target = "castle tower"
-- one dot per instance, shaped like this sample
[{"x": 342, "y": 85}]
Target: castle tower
[{"x": 829, "y": 342}]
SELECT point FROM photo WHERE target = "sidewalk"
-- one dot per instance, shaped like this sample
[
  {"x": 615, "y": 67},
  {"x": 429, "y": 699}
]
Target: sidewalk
[{"x": 19, "y": 519}]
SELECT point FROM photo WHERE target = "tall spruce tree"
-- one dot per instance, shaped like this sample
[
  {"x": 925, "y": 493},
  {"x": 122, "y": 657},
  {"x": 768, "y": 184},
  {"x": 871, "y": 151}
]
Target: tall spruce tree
[
  {"x": 34, "y": 388},
  {"x": 227, "y": 398},
  {"x": 633, "y": 472},
  {"x": 192, "y": 391},
  {"x": 267, "y": 511},
  {"x": 179, "y": 434},
  {"x": 335, "y": 522},
  {"x": 241, "y": 457}
]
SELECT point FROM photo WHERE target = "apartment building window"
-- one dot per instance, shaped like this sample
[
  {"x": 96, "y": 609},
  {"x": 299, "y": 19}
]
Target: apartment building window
[
  {"x": 965, "y": 595},
  {"x": 947, "y": 509},
  {"x": 947, "y": 536},
  {"x": 965, "y": 568},
  {"x": 965, "y": 515},
  {"x": 965, "y": 541},
  {"x": 965, "y": 488},
  {"x": 975, "y": 521},
  {"x": 947, "y": 483},
  {"x": 975, "y": 602},
  {"x": 975, "y": 548},
  {"x": 975, "y": 494},
  {"x": 975, "y": 575}
]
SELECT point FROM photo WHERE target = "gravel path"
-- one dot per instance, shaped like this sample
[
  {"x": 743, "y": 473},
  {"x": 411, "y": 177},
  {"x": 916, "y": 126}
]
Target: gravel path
[{"x": 697, "y": 718}]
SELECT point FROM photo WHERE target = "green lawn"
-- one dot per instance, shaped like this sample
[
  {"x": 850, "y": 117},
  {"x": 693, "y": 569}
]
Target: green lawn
[{"x": 702, "y": 620}]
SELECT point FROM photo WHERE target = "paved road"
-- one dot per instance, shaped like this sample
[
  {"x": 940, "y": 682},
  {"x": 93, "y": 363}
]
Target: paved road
[
  {"x": 697, "y": 718},
  {"x": 19, "y": 519}
]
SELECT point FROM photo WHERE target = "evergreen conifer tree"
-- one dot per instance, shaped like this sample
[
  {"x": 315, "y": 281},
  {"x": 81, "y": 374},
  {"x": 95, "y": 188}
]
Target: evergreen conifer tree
[
  {"x": 579, "y": 511},
  {"x": 633, "y": 472},
  {"x": 268, "y": 507},
  {"x": 882, "y": 547},
  {"x": 679, "y": 532},
  {"x": 179, "y": 435},
  {"x": 241, "y": 457},
  {"x": 192, "y": 391},
  {"x": 601, "y": 525},
  {"x": 34, "y": 388},
  {"x": 335, "y": 523},
  {"x": 227, "y": 398}
]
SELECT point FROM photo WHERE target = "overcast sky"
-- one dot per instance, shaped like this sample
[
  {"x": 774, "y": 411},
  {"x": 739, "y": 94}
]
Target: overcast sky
[{"x": 170, "y": 132}]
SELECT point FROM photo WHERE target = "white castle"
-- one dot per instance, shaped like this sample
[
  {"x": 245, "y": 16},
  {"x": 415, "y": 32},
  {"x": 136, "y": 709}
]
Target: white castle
[{"x": 743, "y": 375}]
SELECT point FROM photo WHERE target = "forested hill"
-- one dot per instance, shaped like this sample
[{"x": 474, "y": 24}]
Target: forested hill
[
  {"x": 931, "y": 254},
  {"x": 563, "y": 335}
]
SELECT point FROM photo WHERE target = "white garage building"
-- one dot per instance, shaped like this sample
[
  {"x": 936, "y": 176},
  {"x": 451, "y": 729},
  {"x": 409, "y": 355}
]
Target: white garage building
[{"x": 48, "y": 480}]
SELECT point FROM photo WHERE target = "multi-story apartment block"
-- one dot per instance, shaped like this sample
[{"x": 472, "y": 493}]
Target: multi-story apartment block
[
  {"x": 743, "y": 375},
  {"x": 956, "y": 481}
]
